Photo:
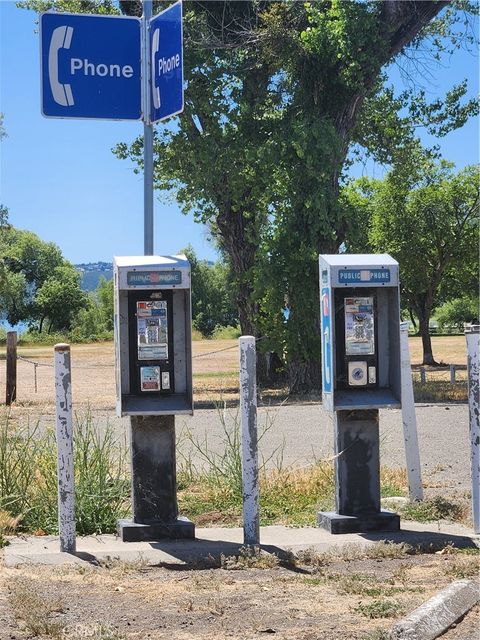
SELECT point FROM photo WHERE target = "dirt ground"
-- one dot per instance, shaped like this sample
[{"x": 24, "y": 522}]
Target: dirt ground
[
  {"x": 215, "y": 372},
  {"x": 342, "y": 600}
]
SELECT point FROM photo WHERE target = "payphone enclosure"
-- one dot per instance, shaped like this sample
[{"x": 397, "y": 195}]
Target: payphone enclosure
[
  {"x": 360, "y": 316},
  {"x": 153, "y": 335}
]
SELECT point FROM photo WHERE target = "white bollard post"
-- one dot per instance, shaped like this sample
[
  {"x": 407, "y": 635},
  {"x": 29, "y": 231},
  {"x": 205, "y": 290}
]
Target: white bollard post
[
  {"x": 248, "y": 413},
  {"x": 472, "y": 335},
  {"x": 64, "y": 431},
  {"x": 409, "y": 420}
]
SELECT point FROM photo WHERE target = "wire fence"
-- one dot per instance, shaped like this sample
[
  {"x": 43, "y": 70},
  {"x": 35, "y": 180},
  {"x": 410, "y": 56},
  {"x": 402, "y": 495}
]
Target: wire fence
[{"x": 422, "y": 376}]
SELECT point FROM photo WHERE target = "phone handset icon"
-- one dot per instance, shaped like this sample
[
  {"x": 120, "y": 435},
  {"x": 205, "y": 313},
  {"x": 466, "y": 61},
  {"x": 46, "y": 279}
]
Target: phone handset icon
[
  {"x": 61, "y": 39},
  {"x": 155, "y": 48}
]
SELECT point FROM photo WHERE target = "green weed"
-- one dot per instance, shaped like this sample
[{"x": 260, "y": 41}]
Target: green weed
[
  {"x": 249, "y": 558},
  {"x": 437, "y": 508},
  {"x": 460, "y": 568},
  {"x": 28, "y": 477},
  {"x": 379, "y": 609}
]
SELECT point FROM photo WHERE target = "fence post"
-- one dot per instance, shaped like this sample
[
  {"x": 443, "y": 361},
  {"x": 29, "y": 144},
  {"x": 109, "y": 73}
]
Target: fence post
[
  {"x": 423, "y": 375},
  {"x": 248, "y": 413},
  {"x": 11, "y": 387},
  {"x": 64, "y": 431},
  {"x": 453, "y": 370},
  {"x": 409, "y": 419},
  {"x": 472, "y": 334}
]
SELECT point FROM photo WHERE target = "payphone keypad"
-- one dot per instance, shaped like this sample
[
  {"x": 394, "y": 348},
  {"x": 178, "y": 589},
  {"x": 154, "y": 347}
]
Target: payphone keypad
[{"x": 360, "y": 340}]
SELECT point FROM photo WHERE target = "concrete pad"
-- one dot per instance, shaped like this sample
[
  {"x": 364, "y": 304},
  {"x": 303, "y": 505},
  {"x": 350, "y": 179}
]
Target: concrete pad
[
  {"x": 434, "y": 617},
  {"x": 216, "y": 541}
]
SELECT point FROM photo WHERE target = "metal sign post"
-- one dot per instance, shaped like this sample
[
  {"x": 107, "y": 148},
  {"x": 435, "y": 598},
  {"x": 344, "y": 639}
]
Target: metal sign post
[
  {"x": 94, "y": 67},
  {"x": 147, "y": 136}
]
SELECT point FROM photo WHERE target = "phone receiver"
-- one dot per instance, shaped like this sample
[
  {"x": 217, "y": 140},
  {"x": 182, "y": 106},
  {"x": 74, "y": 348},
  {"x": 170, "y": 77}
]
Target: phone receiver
[
  {"x": 61, "y": 39},
  {"x": 155, "y": 90}
]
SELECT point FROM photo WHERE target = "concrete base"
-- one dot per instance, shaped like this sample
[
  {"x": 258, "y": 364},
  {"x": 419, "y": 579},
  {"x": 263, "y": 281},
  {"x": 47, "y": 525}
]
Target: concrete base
[
  {"x": 212, "y": 542},
  {"x": 179, "y": 529},
  {"x": 336, "y": 523}
]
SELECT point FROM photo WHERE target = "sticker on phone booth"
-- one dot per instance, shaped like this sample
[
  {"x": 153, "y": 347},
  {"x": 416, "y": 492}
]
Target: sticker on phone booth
[
  {"x": 148, "y": 308},
  {"x": 150, "y": 378},
  {"x": 165, "y": 380},
  {"x": 359, "y": 326}
]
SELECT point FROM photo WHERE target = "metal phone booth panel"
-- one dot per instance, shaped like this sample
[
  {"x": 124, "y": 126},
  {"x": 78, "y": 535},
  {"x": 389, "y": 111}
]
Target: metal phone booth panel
[
  {"x": 361, "y": 373},
  {"x": 360, "y": 315},
  {"x": 153, "y": 335}
]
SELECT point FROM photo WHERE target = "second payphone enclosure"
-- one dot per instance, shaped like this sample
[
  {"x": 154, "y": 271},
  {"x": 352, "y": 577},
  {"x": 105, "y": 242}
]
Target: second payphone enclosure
[{"x": 360, "y": 316}]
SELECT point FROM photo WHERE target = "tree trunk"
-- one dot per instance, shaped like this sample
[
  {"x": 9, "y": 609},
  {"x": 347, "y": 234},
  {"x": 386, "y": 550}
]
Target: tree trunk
[
  {"x": 270, "y": 369},
  {"x": 305, "y": 376},
  {"x": 424, "y": 320},
  {"x": 412, "y": 318}
]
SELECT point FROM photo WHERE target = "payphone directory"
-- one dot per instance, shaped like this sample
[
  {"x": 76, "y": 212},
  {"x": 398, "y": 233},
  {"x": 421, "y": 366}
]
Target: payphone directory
[
  {"x": 359, "y": 326},
  {"x": 152, "y": 330}
]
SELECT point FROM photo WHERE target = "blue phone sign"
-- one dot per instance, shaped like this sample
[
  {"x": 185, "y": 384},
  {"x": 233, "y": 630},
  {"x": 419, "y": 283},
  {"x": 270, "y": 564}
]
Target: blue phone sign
[
  {"x": 166, "y": 63},
  {"x": 91, "y": 66}
]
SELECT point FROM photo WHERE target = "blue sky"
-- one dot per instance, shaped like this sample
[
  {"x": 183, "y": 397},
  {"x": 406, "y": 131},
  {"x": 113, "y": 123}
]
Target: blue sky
[{"x": 60, "y": 179}]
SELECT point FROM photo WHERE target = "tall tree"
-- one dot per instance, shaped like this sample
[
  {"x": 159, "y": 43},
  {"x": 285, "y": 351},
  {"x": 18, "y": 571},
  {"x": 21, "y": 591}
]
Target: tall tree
[
  {"x": 274, "y": 93},
  {"x": 428, "y": 221},
  {"x": 36, "y": 281}
]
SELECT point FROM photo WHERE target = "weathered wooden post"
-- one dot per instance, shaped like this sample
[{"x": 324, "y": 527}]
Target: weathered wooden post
[
  {"x": 453, "y": 370},
  {"x": 248, "y": 413},
  {"x": 423, "y": 375},
  {"x": 472, "y": 335},
  {"x": 64, "y": 432},
  {"x": 409, "y": 420},
  {"x": 11, "y": 386}
]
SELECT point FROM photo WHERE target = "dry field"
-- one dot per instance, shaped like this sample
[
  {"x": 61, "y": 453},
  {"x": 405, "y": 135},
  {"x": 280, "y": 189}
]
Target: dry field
[
  {"x": 342, "y": 598},
  {"x": 215, "y": 371}
]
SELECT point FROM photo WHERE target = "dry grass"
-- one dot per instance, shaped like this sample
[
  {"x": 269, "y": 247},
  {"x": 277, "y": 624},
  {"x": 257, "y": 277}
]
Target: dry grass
[
  {"x": 353, "y": 598},
  {"x": 215, "y": 372},
  {"x": 35, "y": 612},
  {"x": 446, "y": 349}
]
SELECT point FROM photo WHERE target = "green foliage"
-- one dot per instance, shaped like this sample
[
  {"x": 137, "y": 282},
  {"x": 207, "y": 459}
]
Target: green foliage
[
  {"x": 277, "y": 94},
  {"x": 95, "y": 321},
  {"x": 28, "y": 480},
  {"x": 212, "y": 304},
  {"x": 105, "y": 7},
  {"x": 3, "y": 133},
  {"x": 455, "y": 313},
  {"x": 38, "y": 285},
  {"x": 60, "y": 298},
  {"x": 437, "y": 508},
  {"x": 226, "y": 333},
  {"x": 425, "y": 215},
  {"x": 379, "y": 609}
]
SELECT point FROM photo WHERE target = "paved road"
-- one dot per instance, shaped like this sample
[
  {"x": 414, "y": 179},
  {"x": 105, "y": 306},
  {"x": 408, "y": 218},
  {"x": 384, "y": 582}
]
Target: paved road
[{"x": 301, "y": 434}]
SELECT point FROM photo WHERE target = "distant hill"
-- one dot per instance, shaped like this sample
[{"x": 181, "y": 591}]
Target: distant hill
[{"x": 92, "y": 272}]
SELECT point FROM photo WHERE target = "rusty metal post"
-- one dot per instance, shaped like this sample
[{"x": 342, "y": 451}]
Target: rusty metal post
[
  {"x": 472, "y": 335},
  {"x": 11, "y": 387},
  {"x": 248, "y": 413},
  {"x": 64, "y": 432}
]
